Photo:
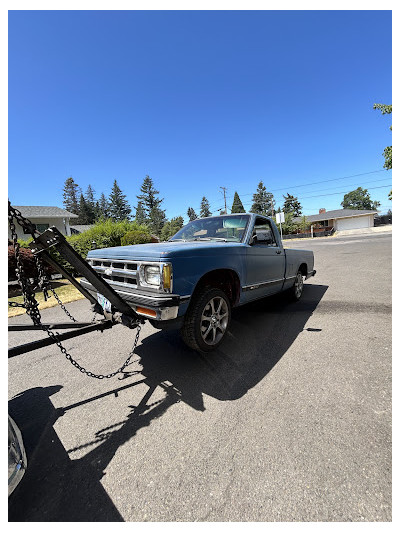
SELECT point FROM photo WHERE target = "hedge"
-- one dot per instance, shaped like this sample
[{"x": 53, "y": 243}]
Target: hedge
[{"x": 105, "y": 234}]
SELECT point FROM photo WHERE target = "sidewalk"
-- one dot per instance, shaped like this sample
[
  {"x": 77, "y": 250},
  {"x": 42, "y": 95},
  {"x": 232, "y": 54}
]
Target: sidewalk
[
  {"x": 344, "y": 233},
  {"x": 379, "y": 229}
]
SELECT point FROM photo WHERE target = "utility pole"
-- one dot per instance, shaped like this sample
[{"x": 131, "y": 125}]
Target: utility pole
[{"x": 224, "y": 189}]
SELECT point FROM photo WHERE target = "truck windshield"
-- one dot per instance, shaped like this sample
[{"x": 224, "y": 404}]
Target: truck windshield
[{"x": 220, "y": 228}]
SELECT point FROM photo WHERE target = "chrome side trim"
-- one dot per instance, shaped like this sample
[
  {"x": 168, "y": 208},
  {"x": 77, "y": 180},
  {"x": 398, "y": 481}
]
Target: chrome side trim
[{"x": 262, "y": 284}]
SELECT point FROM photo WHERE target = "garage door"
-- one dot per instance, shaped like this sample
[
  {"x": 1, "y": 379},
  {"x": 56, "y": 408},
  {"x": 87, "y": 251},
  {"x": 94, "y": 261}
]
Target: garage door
[{"x": 353, "y": 223}]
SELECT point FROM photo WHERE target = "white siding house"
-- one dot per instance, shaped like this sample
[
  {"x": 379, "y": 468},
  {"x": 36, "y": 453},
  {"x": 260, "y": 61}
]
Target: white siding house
[
  {"x": 342, "y": 219},
  {"x": 44, "y": 217}
]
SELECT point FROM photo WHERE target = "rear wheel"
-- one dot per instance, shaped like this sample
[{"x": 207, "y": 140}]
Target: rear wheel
[
  {"x": 207, "y": 320},
  {"x": 297, "y": 290}
]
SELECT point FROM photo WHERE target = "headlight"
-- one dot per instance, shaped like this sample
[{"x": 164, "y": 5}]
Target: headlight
[
  {"x": 150, "y": 275},
  {"x": 156, "y": 276}
]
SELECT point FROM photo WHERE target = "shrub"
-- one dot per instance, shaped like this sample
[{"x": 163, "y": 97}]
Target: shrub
[
  {"x": 28, "y": 264},
  {"x": 105, "y": 234},
  {"x": 136, "y": 237}
]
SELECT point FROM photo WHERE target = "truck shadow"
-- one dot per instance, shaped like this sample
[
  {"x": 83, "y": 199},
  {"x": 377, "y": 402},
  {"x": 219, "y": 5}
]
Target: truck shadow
[
  {"x": 56, "y": 488},
  {"x": 260, "y": 334}
]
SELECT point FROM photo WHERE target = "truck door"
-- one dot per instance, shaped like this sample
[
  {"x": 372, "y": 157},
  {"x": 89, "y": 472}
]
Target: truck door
[{"x": 265, "y": 262}]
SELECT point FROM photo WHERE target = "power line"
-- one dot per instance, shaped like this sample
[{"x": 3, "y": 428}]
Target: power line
[
  {"x": 290, "y": 187},
  {"x": 333, "y": 193},
  {"x": 349, "y": 185}
]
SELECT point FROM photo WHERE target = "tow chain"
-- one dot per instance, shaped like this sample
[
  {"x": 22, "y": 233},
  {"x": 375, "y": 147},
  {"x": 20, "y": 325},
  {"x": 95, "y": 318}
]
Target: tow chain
[{"x": 31, "y": 304}]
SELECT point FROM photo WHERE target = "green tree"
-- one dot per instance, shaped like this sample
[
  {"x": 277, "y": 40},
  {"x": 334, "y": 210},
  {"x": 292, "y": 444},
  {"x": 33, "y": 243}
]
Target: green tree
[
  {"x": 263, "y": 201},
  {"x": 149, "y": 206},
  {"x": 103, "y": 207},
  {"x": 119, "y": 207},
  {"x": 84, "y": 212},
  {"x": 292, "y": 205},
  {"x": 171, "y": 227},
  {"x": 237, "y": 206},
  {"x": 304, "y": 224},
  {"x": 140, "y": 216},
  {"x": 157, "y": 220},
  {"x": 205, "y": 208},
  {"x": 191, "y": 213},
  {"x": 387, "y": 153},
  {"x": 359, "y": 199},
  {"x": 390, "y": 195},
  {"x": 90, "y": 204},
  {"x": 70, "y": 196},
  {"x": 289, "y": 226}
]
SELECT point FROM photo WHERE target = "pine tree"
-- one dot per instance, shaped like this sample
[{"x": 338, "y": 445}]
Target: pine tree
[
  {"x": 70, "y": 196},
  {"x": 205, "y": 208},
  {"x": 104, "y": 207},
  {"x": 292, "y": 205},
  {"x": 84, "y": 212},
  {"x": 119, "y": 207},
  {"x": 263, "y": 201},
  {"x": 191, "y": 213},
  {"x": 90, "y": 204},
  {"x": 149, "y": 206},
  {"x": 140, "y": 216},
  {"x": 237, "y": 206},
  {"x": 157, "y": 220}
]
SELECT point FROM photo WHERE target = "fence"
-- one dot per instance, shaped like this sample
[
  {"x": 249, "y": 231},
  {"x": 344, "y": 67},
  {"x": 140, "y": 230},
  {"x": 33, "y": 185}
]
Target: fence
[
  {"x": 324, "y": 233},
  {"x": 382, "y": 220}
]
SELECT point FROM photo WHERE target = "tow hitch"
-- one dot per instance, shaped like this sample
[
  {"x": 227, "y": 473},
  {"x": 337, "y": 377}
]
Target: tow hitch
[{"x": 109, "y": 304}]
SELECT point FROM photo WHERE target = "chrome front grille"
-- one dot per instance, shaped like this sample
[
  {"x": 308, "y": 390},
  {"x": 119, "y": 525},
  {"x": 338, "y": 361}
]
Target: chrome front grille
[{"x": 117, "y": 272}]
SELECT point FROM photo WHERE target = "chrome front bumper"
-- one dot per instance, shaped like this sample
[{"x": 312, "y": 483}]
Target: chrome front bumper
[{"x": 162, "y": 306}]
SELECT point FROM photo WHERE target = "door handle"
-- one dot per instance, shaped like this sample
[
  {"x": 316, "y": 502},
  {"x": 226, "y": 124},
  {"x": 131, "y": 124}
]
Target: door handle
[{"x": 278, "y": 251}]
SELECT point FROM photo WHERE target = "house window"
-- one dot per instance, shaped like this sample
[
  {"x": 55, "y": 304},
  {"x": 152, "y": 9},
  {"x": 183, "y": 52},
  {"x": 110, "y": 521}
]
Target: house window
[{"x": 42, "y": 227}]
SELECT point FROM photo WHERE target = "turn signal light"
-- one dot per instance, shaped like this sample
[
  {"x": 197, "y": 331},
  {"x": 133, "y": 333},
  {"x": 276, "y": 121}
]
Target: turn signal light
[
  {"x": 147, "y": 312},
  {"x": 167, "y": 275}
]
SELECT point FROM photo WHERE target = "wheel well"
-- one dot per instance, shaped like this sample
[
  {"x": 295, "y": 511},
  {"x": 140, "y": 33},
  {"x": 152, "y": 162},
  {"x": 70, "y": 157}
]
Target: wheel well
[
  {"x": 303, "y": 269},
  {"x": 224, "y": 279}
]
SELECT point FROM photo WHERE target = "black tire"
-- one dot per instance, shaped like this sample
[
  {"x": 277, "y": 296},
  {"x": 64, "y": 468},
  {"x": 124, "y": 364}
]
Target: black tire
[
  {"x": 207, "y": 320},
  {"x": 297, "y": 289}
]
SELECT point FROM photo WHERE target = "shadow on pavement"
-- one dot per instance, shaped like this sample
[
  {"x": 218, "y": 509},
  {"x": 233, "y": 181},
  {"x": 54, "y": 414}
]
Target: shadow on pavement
[{"x": 56, "y": 488}]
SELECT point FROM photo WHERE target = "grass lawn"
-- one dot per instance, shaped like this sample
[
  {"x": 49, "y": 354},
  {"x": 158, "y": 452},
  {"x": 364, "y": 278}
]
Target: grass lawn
[{"x": 64, "y": 289}]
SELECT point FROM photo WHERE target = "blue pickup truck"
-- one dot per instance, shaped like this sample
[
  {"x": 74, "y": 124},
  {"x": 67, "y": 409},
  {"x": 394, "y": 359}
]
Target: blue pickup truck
[{"x": 195, "y": 279}]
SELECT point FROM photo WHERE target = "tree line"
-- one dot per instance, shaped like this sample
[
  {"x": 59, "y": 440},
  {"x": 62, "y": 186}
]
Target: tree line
[{"x": 149, "y": 211}]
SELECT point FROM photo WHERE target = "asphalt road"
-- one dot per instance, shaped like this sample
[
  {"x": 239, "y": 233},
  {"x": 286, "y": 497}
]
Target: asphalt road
[{"x": 289, "y": 421}]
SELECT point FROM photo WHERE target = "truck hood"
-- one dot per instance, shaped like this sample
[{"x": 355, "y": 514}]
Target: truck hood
[{"x": 165, "y": 250}]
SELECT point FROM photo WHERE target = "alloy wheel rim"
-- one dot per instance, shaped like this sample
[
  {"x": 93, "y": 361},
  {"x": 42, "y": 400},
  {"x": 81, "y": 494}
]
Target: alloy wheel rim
[
  {"x": 299, "y": 285},
  {"x": 214, "y": 320}
]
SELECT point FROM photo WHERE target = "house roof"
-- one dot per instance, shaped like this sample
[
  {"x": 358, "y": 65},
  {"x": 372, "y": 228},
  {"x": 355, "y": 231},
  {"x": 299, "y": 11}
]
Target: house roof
[
  {"x": 81, "y": 227},
  {"x": 43, "y": 211},
  {"x": 337, "y": 213}
]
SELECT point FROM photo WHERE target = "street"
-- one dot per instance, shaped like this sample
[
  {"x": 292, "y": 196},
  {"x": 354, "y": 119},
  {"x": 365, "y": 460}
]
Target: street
[{"x": 290, "y": 420}]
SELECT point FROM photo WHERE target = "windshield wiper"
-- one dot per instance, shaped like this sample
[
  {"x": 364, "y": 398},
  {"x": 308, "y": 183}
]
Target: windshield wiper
[{"x": 209, "y": 239}]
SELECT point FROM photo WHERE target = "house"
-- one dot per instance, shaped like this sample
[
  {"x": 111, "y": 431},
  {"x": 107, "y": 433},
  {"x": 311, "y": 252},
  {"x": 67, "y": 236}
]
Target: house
[
  {"x": 341, "y": 219},
  {"x": 44, "y": 217},
  {"x": 76, "y": 229}
]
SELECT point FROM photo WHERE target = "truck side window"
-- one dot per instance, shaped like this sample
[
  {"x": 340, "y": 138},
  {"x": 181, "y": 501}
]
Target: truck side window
[{"x": 263, "y": 234}]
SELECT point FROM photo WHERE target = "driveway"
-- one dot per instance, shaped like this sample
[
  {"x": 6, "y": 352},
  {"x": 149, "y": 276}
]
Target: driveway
[{"x": 289, "y": 421}]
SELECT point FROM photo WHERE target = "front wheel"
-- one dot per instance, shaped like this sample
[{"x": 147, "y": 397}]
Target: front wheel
[
  {"x": 297, "y": 290},
  {"x": 207, "y": 320}
]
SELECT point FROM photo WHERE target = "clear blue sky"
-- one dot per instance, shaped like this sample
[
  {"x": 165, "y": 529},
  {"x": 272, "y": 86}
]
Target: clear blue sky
[{"x": 199, "y": 100}]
